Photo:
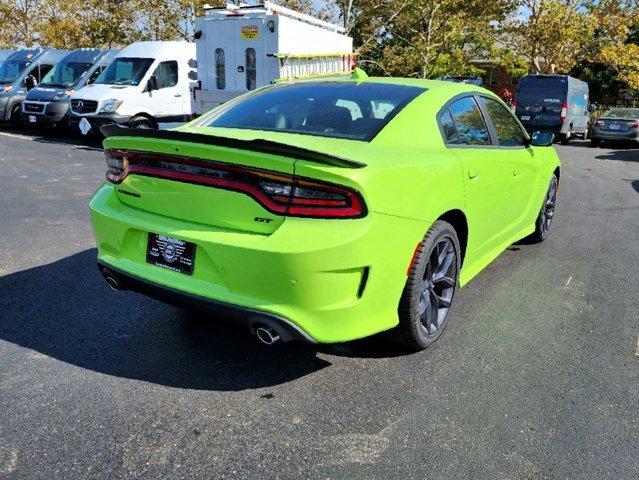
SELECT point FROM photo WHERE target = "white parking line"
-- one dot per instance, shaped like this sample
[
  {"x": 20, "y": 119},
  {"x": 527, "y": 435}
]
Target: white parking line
[
  {"x": 15, "y": 135},
  {"x": 40, "y": 139}
]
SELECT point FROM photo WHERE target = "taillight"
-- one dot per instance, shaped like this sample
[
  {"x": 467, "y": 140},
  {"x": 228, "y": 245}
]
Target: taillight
[
  {"x": 564, "y": 111},
  {"x": 599, "y": 123},
  {"x": 634, "y": 124},
  {"x": 279, "y": 193}
]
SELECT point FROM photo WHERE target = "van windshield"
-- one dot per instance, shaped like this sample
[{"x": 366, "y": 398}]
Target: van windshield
[
  {"x": 356, "y": 111},
  {"x": 65, "y": 75},
  {"x": 125, "y": 71},
  {"x": 542, "y": 91},
  {"x": 10, "y": 70}
]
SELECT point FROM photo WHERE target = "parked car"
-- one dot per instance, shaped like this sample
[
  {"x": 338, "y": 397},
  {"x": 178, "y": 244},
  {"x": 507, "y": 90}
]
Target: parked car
[
  {"x": 243, "y": 48},
  {"x": 302, "y": 210},
  {"x": 617, "y": 124},
  {"x": 148, "y": 85},
  {"x": 458, "y": 79},
  {"x": 21, "y": 72},
  {"x": 554, "y": 103},
  {"x": 47, "y": 104},
  {"x": 4, "y": 54}
]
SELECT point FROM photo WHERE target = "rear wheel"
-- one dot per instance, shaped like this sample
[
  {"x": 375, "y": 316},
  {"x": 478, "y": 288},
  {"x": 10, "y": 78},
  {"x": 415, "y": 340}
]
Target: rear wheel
[
  {"x": 546, "y": 214},
  {"x": 425, "y": 305},
  {"x": 565, "y": 138},
  {"x": 585, "y": 135}
]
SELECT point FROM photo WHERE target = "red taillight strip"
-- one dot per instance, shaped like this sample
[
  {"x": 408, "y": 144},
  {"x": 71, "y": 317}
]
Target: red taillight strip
[{"x": 138, "y": 163}]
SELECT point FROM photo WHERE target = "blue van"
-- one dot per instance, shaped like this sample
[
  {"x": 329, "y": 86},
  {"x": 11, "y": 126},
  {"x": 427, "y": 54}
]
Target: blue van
[
  {"x": 21, "y": 72},
  {"x": 553, "y": 103},
  {"x": 47, "y": 104}
]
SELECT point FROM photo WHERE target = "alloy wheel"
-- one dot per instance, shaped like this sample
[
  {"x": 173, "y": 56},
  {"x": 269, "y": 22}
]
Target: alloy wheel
[
  {"x": 438, "y": 286},
  {"x": 548, "y": 209}
]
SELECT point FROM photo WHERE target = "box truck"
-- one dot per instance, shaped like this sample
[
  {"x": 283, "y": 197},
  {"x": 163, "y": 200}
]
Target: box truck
[{"x": 243, "y": 48}]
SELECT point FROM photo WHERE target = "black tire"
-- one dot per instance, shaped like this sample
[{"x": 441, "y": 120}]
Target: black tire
[
  {"x": 595, "y": 142},
  {"x": 425, "y": 306},
  {"x": 585, "y": 135},
  {"x": 142, "y": 122},
  {"x": 565, "y": 138},
  {"x": 546, "y": 214},
  {"x": 15, "y": 120}
]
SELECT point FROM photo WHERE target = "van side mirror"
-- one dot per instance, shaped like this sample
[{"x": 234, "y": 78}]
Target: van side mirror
[
  {"x": 592, "y": 107},
  {"x": 542, "y": 139},
  {"x": 30, "y": 82},
  {"x": 152, "y": 84}
]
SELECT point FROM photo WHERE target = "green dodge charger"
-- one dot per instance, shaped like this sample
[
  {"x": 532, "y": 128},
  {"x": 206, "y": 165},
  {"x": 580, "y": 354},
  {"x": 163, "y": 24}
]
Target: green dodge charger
[{"x": 324, "y": 210}]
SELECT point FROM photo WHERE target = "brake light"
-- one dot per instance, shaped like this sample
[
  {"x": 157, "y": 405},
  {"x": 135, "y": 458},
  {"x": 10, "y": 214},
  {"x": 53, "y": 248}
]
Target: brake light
[
  {"x": 599, "y": 123},
  {"x": 634, "y": 124},
  {"x": 564, "y": 111},
  {"x": 279, "y": 193}
]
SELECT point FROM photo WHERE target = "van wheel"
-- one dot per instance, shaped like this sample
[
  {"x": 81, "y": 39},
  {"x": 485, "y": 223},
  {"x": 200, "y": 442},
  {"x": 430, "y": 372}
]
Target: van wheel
[
  {"x": 15, "y": 120},
  {"x": 565, "y": 138},
  {"x": 142, "y": 122},
  {"x": 424, "y": 308}
]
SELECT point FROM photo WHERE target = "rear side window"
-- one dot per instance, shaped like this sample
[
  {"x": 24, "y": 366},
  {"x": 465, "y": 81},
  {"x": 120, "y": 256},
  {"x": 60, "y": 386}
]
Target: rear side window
[
  {"x": 167, "y": 74},
  {"x": 471, "y": 128},
  {"x": 351, "y": 110},
  {"x": 509, "y": 133},
  {"x": 448, "y": 127}
]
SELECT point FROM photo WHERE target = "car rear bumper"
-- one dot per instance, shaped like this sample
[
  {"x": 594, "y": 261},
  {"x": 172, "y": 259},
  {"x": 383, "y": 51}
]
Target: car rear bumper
[
  {"x": 334, "y": 280},
  {"x": 629, "y": 135}
]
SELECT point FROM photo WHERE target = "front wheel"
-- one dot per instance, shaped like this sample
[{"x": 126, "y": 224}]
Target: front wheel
[
  {"x": 424, "y": 308},
  {"x": 142, "y": 123},
  {"x": 546, "y": 214}
]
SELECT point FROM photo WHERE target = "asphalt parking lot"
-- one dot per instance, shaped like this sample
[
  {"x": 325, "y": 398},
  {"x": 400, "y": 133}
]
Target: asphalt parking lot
[{"x": 536, "y": 377}]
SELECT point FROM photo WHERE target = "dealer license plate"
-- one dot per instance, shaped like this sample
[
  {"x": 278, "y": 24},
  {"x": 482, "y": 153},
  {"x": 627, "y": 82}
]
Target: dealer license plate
[
  {"x": 171, "y": 253},
  {"x": 615, "y": 126}
]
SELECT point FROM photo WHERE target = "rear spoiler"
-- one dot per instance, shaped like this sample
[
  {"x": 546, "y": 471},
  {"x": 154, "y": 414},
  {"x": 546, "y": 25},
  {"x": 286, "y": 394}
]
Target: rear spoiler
[{"x": 262, "y": 146}]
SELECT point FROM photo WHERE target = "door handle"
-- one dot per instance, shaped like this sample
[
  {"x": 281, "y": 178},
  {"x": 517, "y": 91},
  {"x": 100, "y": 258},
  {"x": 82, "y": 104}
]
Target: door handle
[
  {"x": 472, "y": 173},
  {"x": 177, "y": 95}
]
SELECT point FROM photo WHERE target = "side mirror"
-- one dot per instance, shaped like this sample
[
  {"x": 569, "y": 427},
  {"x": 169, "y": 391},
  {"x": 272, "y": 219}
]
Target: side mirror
[
  {"x": 30, "y": 82},
  {"x": 592, "y": 107},
  {"x": 542, "y": 139},
  {"x": 152, "y": 83}
]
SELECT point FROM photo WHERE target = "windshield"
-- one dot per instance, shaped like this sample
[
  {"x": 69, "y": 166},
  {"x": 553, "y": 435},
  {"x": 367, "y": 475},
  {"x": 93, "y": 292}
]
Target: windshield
[
  {"x": 542, "y": 91},
  {"x": 125, "y": 71},
  {"x": 350, "y": 110},
  {"x": 65, "y": 74},
  {"x": 10, "y": 70},
  {"x": 622, "y": 113}
]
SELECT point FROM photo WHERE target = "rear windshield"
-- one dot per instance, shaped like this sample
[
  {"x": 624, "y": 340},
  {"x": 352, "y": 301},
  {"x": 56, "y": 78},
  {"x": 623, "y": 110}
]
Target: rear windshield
[
  {"x": 622, "y": 113},
  {"x": 541, "y": 90},
  {"x": 356, "y": 111}
]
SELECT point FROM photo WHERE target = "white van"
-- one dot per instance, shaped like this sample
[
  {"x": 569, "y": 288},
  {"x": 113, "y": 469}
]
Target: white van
[
  {"x": 148, "y": 85},
  {"x": 246, "y": 47}
]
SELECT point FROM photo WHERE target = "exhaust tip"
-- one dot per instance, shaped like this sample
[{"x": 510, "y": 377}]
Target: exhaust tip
[
  {"x": 267, "y": 335},
  {"x": 112, "y": 282}
]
